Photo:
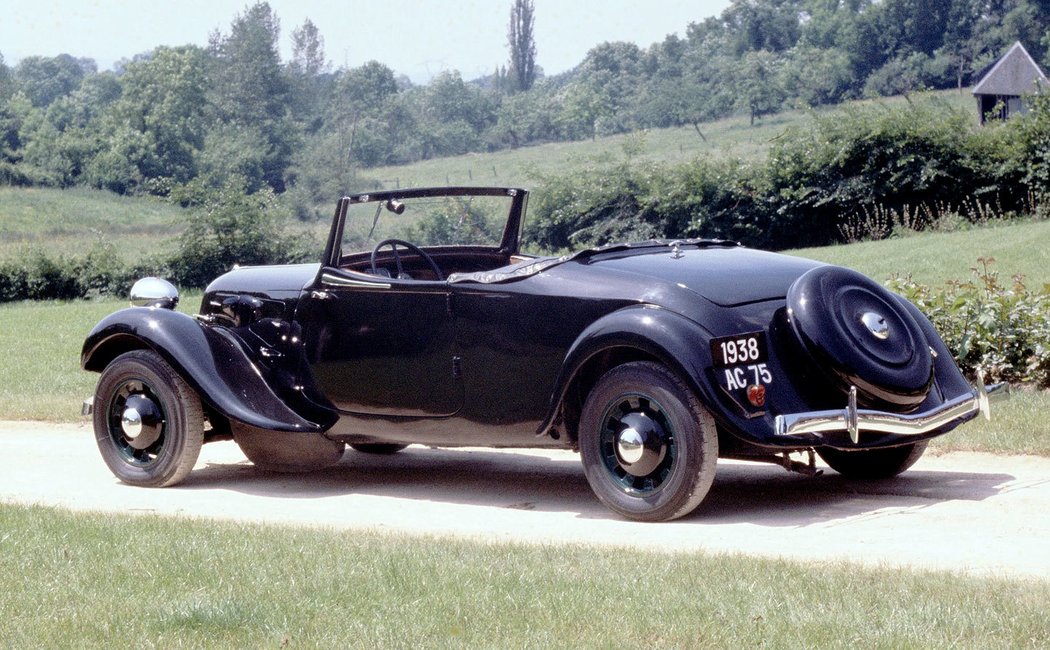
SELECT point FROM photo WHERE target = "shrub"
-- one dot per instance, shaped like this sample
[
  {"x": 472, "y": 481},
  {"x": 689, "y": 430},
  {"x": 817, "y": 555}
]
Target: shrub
[
  {"x": 231, "y": 228},
  {"x": 919, "y": 155},
  {"x": 1001, "y": 329},
  {"x": 630, "y": 201}
]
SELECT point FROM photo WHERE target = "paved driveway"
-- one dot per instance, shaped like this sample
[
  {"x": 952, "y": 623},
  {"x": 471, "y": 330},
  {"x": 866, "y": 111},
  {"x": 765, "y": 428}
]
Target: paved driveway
[{"x": 976, "y": 513}]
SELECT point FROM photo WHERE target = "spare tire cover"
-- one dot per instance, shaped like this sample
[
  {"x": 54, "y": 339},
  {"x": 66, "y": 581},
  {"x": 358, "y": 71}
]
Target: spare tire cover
[{"x": 862, "y": 335}]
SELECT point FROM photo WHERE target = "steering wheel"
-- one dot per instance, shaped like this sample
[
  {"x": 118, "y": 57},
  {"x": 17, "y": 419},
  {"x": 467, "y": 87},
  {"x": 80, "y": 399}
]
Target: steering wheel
[{"x": 393, "y": 244}]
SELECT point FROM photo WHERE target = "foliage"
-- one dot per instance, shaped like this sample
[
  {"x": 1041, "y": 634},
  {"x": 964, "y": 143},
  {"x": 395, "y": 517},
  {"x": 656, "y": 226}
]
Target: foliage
[
  {"x": 233, "y": 227},
  {"x": 174, "y": 115},
  {"x": 36, "y": 275},
  {"x": 522, "y": 44},
  {"x": 860, "y": 173},
  {"x": 1002, "y": 330},
  {"x": 846, "y": 162},
  {"x": 632, "y": 201}
]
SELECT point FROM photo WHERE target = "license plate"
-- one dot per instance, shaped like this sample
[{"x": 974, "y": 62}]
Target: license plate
[{"x": 742, "y": 349}]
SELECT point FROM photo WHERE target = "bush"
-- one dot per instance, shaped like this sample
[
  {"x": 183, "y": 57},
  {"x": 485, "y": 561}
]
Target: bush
[
  {"x": 35, "y": 275},
  {"x": 1001, "y": 329},
  {"x": 628, "y": 201},
  {"x": 230, "y": 228},
  {"x": 914, "y": 156}
]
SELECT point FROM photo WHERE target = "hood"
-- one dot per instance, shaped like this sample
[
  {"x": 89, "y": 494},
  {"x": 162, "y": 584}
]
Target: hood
[
  {"x": 726, "y": 276},
  {"x": 265, "y": 279}
]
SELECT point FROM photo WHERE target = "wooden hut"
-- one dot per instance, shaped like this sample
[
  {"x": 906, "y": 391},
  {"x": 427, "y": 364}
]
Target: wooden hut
[{"x": 1004, "y": 89}]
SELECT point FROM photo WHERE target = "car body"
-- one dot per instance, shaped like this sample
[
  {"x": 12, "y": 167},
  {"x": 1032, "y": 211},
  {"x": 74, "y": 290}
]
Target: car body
[{"x": 653, "y": 359}]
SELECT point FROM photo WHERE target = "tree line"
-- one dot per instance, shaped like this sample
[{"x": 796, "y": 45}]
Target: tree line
[{"x": 184, "y": 121}]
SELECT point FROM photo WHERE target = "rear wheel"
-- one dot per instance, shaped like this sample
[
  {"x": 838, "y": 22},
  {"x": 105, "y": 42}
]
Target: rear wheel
[
  {"x": 279, "y": 451},
  {"x": 873, "y": 463},
  {"x": 149, "y": 424},
  {"x": 649, "y": 448}
]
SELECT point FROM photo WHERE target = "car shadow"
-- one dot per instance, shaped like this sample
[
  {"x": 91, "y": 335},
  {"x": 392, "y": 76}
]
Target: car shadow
[{"x": 742, "y": 492}]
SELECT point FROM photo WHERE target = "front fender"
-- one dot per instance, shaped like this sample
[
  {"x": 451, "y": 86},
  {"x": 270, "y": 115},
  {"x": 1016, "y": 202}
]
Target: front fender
[
  {"x": 211, "y": 360},
  {"x": 677, "y": 342}
]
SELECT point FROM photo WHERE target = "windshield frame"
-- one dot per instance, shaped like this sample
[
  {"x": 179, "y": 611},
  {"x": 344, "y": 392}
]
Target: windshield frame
[{"x": 509, "y": 243}]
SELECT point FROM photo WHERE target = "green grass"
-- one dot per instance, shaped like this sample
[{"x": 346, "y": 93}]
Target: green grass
[
  {"x": 934, "y": 258},
  {"x": 81, "y": 580},
  {"x": 731, "y": 137},
  {"x": 1018, "y": 426},
  {"x": 70, "y": 221},
  {"x": 40, "y": 345}
]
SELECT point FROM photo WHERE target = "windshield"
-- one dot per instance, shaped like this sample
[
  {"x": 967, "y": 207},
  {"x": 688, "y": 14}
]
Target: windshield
[{"x": 428, "y": 221}]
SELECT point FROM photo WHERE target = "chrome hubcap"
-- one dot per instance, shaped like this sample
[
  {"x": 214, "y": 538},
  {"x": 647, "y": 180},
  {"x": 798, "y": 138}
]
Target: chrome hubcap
[
  {"x": 630, "y": 446},
  {"x": 131, "y": 423},
  {"x": 637, "y": 444},
  {"x": 141, "y": 421},
  {"x": 876, "y": 324},
  {"x": 641, "y": 444}
]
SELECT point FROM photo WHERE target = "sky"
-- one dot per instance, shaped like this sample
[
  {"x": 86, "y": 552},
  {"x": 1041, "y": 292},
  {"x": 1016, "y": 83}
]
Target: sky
[{"x": 418, "y": 38}]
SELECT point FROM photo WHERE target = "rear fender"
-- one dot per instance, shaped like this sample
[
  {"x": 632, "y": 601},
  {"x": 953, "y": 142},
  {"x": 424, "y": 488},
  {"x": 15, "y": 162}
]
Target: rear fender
[
  {"x": 210, "y": 358},
  {"x": 673, "y": 340}
]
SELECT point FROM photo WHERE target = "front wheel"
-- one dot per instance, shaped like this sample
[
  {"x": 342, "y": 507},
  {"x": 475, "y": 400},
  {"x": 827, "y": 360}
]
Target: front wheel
[
  {"x": 149, "y": 424},
  {"x": 873, "y": 463},
  {"x": 649, "y": 448}
]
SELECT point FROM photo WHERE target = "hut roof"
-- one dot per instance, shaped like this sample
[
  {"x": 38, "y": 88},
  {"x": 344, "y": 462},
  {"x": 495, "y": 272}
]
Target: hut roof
[{"x": 1014, "y": 74}]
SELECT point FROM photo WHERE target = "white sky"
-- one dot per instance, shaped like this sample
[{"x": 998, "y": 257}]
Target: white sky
[{"x": 415, "y": 37}]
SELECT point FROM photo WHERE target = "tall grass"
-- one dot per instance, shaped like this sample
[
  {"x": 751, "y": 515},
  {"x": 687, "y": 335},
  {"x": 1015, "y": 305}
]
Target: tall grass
[
  {"x": 69, "y": 221},
  {"x": 77, "y": 580}
]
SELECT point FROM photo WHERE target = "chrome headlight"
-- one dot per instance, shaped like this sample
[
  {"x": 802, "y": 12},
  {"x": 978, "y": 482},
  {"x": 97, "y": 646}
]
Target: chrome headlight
[{"x": 154, "y": 292}]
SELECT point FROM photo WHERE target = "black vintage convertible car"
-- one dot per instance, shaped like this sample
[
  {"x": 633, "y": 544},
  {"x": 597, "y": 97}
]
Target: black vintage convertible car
[{"x": 424, "y": 324}]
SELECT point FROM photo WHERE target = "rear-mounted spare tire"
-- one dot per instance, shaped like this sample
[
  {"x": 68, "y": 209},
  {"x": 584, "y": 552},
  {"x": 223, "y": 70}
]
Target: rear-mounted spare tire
[{"x": 860, "y": 335}]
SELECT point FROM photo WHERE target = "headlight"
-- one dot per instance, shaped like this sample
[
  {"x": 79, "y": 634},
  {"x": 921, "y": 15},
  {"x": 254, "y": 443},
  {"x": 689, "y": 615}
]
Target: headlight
[{"x": 154, "y": 292}]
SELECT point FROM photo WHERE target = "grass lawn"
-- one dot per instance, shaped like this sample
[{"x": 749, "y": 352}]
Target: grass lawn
[
  {"x": 70, "y": 221},
  {"x": 82, "y": 580},
  {"x": 934, "y": 258},
  {"x": 40, "y": 346}
]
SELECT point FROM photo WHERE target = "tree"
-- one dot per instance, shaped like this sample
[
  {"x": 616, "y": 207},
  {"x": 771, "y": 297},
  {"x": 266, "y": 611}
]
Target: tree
[
  {"x": 771, "y": 25},
  {"x": 45, "y": 79},
  {"x": 163, "y": 107},
  {"x": 249, "y": 90},
  {"x": 522, "y": 45},
  {"x": 308, "y": 57},
  {"x": 758, "y": 84},
  {"x": 7, "y": 87},
  {"x": 309, "y": 81}
]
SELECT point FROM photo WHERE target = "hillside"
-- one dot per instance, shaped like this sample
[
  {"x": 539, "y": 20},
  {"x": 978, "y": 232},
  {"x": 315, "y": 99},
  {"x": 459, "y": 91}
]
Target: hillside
[
  {"x": 69, "y": 222},
  {"x": 732, "y": 137}
]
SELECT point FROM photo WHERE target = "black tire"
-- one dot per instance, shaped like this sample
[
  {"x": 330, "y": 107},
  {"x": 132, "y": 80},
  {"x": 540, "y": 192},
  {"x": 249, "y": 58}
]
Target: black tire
[
  {"x": 872, "y": 464},
  {"x": 149, "y": 424},
  {"x": 377, "y": 448},
  {"x": 279, "y": 451},
  {"x": 665, "y": 467}
]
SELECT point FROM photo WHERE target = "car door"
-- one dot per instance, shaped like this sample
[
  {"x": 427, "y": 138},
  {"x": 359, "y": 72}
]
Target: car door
[{"x": 381, "y": 346}]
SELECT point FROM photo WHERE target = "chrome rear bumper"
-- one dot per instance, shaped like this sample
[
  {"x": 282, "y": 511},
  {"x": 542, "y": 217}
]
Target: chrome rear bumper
[{"x": 855, "y": 421}]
